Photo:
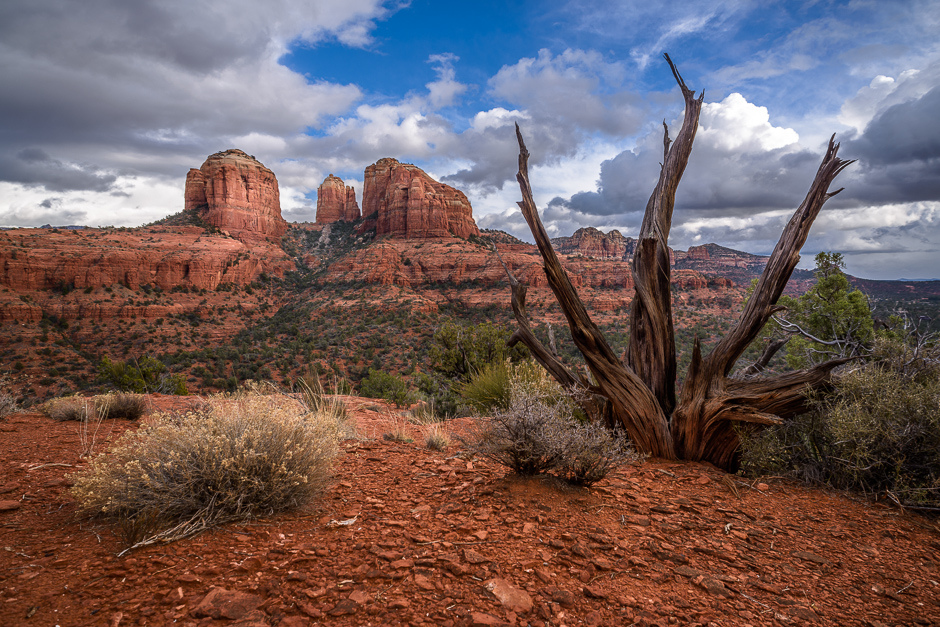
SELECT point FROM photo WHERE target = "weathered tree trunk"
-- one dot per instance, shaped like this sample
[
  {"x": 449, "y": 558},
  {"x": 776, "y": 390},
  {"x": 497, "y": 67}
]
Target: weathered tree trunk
[{"x": 641, "y": 391}]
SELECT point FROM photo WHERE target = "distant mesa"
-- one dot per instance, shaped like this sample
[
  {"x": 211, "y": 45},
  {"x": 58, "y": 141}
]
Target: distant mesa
[
  {"x": 402, "y": 201},
  {"x": 336, "y": 201},
  {"x": 234, "y": 192}
]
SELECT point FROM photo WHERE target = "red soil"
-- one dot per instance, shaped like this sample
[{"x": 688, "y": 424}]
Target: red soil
[{"x": 439, "y": 539}]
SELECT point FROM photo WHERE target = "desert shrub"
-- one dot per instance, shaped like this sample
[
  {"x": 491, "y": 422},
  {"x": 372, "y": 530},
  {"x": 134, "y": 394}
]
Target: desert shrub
[
  {"x": 69, "y": 408},
  {"x": 141, "y": 375},
  {"x": 878, "y": 433},
  {"x": 228, "y": 460},
  {"x": 460, "y": 350},
  {"x": 490, "y": 387},
  {"x": 436, "y": 438},
  {"x": 590, "y": 452},
  {"x": 397, "y": 429},
  {"x": 317, "y": 401},
  {"x": 121, "y": 405},
  {"x": 541, "y": 432},
  {"x": 435, "y": 391},
  {"x": 425, "y": 413},
  {"x": 380, "y": 384},
  {"x": 8, "y": 403}
]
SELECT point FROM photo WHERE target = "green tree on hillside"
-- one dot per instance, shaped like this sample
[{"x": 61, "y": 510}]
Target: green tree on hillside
[{"x": 831, "y": 320}]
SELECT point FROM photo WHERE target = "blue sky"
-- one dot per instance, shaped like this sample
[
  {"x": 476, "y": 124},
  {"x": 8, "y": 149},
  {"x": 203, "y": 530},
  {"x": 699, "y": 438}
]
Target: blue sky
[{"x": 106, "y": 104}]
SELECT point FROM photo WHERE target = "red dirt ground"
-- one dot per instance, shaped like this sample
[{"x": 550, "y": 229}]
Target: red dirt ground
[{"x": 439, "y": 539}]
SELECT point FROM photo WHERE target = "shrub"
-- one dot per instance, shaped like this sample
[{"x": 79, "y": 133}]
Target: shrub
[
  {"x": 490, "y": 388},
  {"x": 425, "y": 413},
  {"x": 141, "y": 375},
  {"x": 69, "y": 408},
  {"x": 229, "y": 460},
  {"x": 540, "y": 433},
  {"x": 397, "y": 430},
  {"x": 316, "y": 401},
  {"x": 380, "y": 384},
  {"x": 121, "y": 405},
  {"x": 878, "y": 433},
  {"x": 436, "y": 438},
  {"x": 7, "y": 399}
]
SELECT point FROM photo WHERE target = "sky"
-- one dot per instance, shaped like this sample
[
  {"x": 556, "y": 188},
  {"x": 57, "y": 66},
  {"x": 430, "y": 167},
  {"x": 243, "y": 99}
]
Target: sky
[{"x": 106, "y": 104}]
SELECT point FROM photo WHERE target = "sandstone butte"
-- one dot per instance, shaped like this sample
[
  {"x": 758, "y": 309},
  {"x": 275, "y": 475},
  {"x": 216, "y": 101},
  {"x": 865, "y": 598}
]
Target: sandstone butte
[
  {"x": 234, "y": 192},
  {"x": 231, "y": 191},
  {"x": 336, "y": 201},
  {"x": 402, "y": 201}
]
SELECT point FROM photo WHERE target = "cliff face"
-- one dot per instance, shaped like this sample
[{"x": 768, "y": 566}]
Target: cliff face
[
  {"x": 38, "y": 265},
  {"x": 591, "y": 242},
  {"x": 405, "y": 202},
  {"x": 236, "y": 193},
  {"x": 336, "y": 201}
]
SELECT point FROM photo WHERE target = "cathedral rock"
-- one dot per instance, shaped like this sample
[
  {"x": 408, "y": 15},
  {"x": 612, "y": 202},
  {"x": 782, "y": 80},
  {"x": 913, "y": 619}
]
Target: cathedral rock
[
  {"x": 405, "y": 202},
  {"x": 236, "y": 193},
  {"x": 336, "y": 201}
]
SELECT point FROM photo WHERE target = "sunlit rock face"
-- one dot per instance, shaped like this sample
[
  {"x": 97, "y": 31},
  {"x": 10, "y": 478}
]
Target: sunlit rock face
[
  {"x": 405, "y": 202},
  {"x": 234, "y": 192}
]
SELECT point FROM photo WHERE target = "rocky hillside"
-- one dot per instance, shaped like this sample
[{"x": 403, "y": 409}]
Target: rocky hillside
[{"x": 227, "y": 290}]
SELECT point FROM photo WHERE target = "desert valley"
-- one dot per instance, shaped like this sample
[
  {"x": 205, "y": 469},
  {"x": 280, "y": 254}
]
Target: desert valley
[{"x": 226, "y": 293}]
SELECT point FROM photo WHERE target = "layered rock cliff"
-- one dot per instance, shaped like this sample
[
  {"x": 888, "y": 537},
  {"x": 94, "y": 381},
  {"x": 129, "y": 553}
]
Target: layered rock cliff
[
  {"x": 38, "y": 266},
  {"x": 336, "y": 201},
  {"x": 591, "y": 242},
  {"x": 403, "y": 201},
  {"x": 234, "y": 192}
]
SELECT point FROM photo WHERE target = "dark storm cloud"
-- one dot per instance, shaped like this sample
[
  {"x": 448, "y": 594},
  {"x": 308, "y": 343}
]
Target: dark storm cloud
[
  {"x": 904, "y": 133},
  {"x": 899, "y": 153},
  {"x": 33, "y": 167}
]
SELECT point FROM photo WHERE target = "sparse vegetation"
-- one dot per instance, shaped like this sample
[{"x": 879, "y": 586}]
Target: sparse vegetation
[
  {"x": 380, "y": 384},
  {"x": 121, "y": 405},
  {"x": 436, "y": 439},
  {"x": 69, "y": 408},
  {"x": 8, "y": 404},
  {"x": 230, "y": 460},
  {"x": 878, "y": 433},
  {"x": 539, "y": 433}
]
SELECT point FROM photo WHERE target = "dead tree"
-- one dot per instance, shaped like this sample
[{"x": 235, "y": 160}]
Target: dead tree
[{"x": 638, "y": 392}]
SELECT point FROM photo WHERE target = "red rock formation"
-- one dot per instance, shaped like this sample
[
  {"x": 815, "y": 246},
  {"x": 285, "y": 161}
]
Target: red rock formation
[
  {"x": 234, "y": 192},
  {"x": 41, "y": 264},
  {"x": 407, "y": 203},
  {"x": 336, "y": 201},
  {"x": 697, "y": 253},
  {"x": 591, "y": 242}
]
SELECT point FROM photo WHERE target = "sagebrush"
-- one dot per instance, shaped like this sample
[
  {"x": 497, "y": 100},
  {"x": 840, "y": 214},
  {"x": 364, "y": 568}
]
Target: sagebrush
[
  {"x": 232, "y": 459},
  {"x": 540, "y": 432}
]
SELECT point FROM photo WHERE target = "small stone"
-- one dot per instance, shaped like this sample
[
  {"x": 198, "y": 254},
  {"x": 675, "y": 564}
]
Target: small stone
[
  {"x": 811, "y": 557},
  {"x": 405, "y": 563},
  {"x": 399, "y": 604},
  {"x": 763, "y": 487},
  {"x": 359, "y": 596},
  {"x": 482, "y": 619},
  {"x": 344, "y": 607},
  {"x": 593, "y": 592},
  {"x": 222, "y": 603},
  {"x": 563, "y": 597},
  {"x": 423, "y": 582},
  {"x": 513, "y": 598},
  {"x": 529, "y": 528},
  {"x": 7, "y": 506},
  {"x": 803, "y": 612},
  {"x": 472, "y": 557}
]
